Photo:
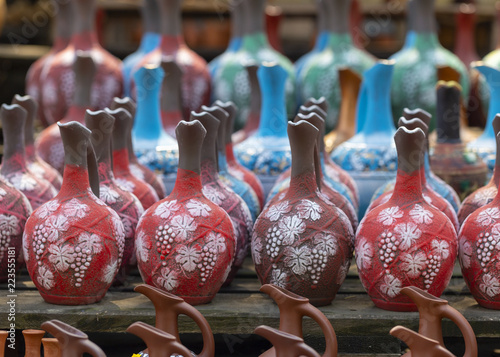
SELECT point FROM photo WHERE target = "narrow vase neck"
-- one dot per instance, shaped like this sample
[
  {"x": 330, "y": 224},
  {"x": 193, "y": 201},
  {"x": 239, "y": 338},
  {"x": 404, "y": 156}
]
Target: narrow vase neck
[
  {"x": 338, "y": 13},
  {"x": 14, "y": 155},
  {"x": 303, "y": 184},
  {"x": 187, "y": 184},
  {"x": 255, "y": 10},
  {"x": 209, "y": 171},
  {"x": 30, "y": 152},
  {"x": 424, "y": 17},
  {"x": 105, "y": 172},
  {"x": 121, "y": 162},
  {"x": 84, "y": 22},
  {"x": 147, "y": 124},
  {"x": 149, "y": 42},
  {"x": 171, "y": 17},
  {"x": 339, "y": 41},
  {"x": 84, "y": 41},
  {"x": 170, "y": 44},
  {"x": 151, "y": 17},
  {"x": 464, "y": 42},
  {"x": 255, "y": 42},
  {"x": 222, "y": 162},
  {"x": 75, "y": 180},
  {"x": 64, "y": 20},
  {"x": 230, "y": 154},
  {"x": 408, "y": 187}
]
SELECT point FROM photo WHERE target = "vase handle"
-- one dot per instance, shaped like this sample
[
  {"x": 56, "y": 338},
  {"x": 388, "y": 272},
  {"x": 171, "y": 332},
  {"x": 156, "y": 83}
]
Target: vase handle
[
  {"x": 465, "y": 328},
  {"x": 325, "y": 325},
  {"x": 206, "y": 332}
]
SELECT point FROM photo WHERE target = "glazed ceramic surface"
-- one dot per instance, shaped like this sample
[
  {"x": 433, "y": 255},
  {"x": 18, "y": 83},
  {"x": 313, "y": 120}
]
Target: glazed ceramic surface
[{"x": 171, "y": 97}]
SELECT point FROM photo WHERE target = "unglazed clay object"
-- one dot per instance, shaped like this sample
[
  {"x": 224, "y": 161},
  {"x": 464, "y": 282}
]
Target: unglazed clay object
[
  {"x": 149, "y": 42},
  {"x": 171, "y": 97},
  {"x": 121, "y": 169},
  {"x": 240, "y": 187},
  {"x": 138, "y": 170},
  {"x": 185, "y": 244},
  {"x": 51, "y": 347},
  {"x": 233, "y": 166},
  {"x": 415, "y": 70},
  {"x": 73, "y": 244},
  {"x": 267, "y": 151},
  {"x": 220, "y": 193},
  {"x": 168, "y": 307},
  {"x": 14, "y": 166},
  {"x": 35, "y": 163},
  {"x": 285, "y": 344},
  {"x": 34, "y": 79},
  {"x": 293, "y": 308},
  {"x": 59, "y": 84},
  {"x": 451, "y": 160},
  {"x": 73, "y": 342},
  {"x": 231, "y": 80},
  {"x": 153, "y": 146},
  {"x": 49, "y": 144},
  {"x": 320, "y": 76},
  {"x": 32, "y": 342},
  {"x": 405, "y": 241},
  {"x": 419, "y": 345},
  {"x": 303, "y": 243},
  {"x": 122, "y": 201},
  {"x": 195, "y": 78}
]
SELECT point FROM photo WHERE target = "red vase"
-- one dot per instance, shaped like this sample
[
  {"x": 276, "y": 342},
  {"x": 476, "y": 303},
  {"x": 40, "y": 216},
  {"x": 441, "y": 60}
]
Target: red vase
[
  {"x": 64, "y": 22},
  {"x": 195, "y": 74},
  {"x": 35, "y": 163},
  {"x": 103, "y": 125},
  {"x": 73, "y": 244},
  {"x": 487, "y": 193},
  {"x": 138, "y": 170},
  {"x": 14, "y": 167},
  {"x": 185, "y": 243},
  {"x": 49, "y": 144},
  {"x": 405, "y": 241},
  {"x": 302, "y": 243}
]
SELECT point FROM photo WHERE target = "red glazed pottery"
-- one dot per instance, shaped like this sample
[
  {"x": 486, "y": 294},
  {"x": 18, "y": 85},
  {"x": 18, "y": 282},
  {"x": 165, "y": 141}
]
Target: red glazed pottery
[
  {"x": 129, "y": 208},
  {"x": 159, "y": 343},
  {"x": 220, "y": 194},
  {"x": 36, "y": 165},
  {"x": 171, "y": 97},
  {"x": 138, "y": 170},
  {"x": 14, "y": 166},
  {"x": 32, "y": 342},
  {"x": 285, "y": 344},
  {"x": 73, "y": 244},
  {"x": 49, "y": 144},
  {"x": 485, "y": 194},
  {"x": 195, "y": 75},
  {"x": 65, "y": 14},
  {"x": 185, "y": 243},
  {"x": 51, "y": 347},
  {"x": 303, "y": 243},
  {"x": 59, "y": 84},
  {"x": 405, "y": 241}
]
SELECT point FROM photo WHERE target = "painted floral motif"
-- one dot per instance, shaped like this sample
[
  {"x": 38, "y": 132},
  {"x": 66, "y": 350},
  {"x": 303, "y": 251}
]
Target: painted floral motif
[
  {"x": 421, "y": 215},
  {"x": 198, "y": 209},
  {"x": 188, "y": 257},
  {"x": 465, "y": 253},
  {"x": 23, "y": 182},
  {"x": 276, "y": 211},
  {"x": 414, "y": 264},
  {"x": 166, "y": 209},
  {"x": 108, "y": 195},
  {"x": 54, "y": 225},
  {"x": 389, "y": 215},
  {"x": 257, "y": 250},
  {"x": 74, "y": 208},
  {"x": 183, "y": 225},
  {"x": 298, "y": 258},
  {"x": 488, "y": 216},
  {"x": 90, "y": 243},
  {"x": 278, "y": 278},
  {"x": 45, "y": 277},
  {"x": 109, "y": 272},
  {"x": 61, "y": 256},
  {"x": 326, "y": 242},
  {"x": 364, "y": 254},
  {"x": 9, "y": 225},
  {"x": 407, "y": 233},
  {"x": 309, "y": 210},
  {"x": 168, "y": 279},
  {"x": 143, "y": 247},
  {"x": 344, "y": 269},
  {"x": 391, "y": 286},
  {"x": 490, "y": 285},
  {"x": 483, "y": 197},
  {"x": 291, "y": 227},
  {"x": 213, "y": 194},
  {"x": 126, "y": 185},
  {"x": 217, "y": 242},
  {"x": 440, "y": 248},
  {"x": 47, "y": 209}
]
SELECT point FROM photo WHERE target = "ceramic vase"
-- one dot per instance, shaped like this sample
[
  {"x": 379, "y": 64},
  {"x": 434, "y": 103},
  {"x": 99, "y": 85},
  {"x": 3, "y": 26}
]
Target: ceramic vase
[
  {"x": 196, "y": 77},
  {"x": 171, "y": 97},
  {"x": 419, "y": 345},
  {"x": 185, "y": 243},
  {"x": 415, "y": 70},
  {"x": 303, "y": 243},
  {"x": 231, "y": 81},
  {"x": 32, "y": 342},
  {"x": 320, "y": 76},
  {"x": 451, "y": 160},
  {"x": 267, "y": 151},
  {"x": 220, "y": 193},
  {"x": 36, "y": 165},
  {"x": 138, "y": 170},
  {"x": 49, "y": 144},
  {"x": 51, "y": 347},
  {"x": 150, "y": 40},
  {"x": 405, "y": 241},
  {"x": 59, "y": 84},
  {"x": 372, "y": 148},
  {"x": 14, "y": 166},
  {"x": 122, "y": 201},
  {"x": 64, "y": 28},
  {"x": 73, "y": 244}
]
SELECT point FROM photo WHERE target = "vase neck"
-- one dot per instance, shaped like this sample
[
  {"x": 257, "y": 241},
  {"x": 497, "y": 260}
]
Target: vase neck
[
  {"x": 426, "y": 41},
  {"x": 64, "y": 21},
  {"x": 187, "y": 184},
  {"x": 464, "y": 40},
  {"x": 253, "y": 43},
  {"x": 75, "y": 180},
  {"x": 29, "y": 151},
  {"x": 171, "y": 90},
  {"x": 151, "y": 17},
  {"x": 14, "y": 156},
  {"x": 254, "y": 10},
  {"x": 339, "y": 41},
  {"x": 424, "y": 21},
  {"x": 106, "y": 175},
  {"x": 171, "y": 17},
  {"x": 338, "y": 12},
  {"x": 230, "y": 158},
  {"x": 60, "y": 44},
  {"x": 84, "y": 22},
  {"x": 303, "y": 184},
  {"x": 222, "y": 162},
  {"x": 170, "y": 44},
  {"x": 149, "y": 42},
  {"x": 121, "y": 164},
  {"x": 237, "y": 20},
  {"x": 209, "y": 171},
  {"x": 408, "y": 187}
]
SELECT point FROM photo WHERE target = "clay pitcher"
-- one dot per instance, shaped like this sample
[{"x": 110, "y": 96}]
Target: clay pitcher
[
  {"x": 160, "y": 344},
  {"x": 419, "y": 345},
  {"x": 32, "y": 342},
  {"x": 51, "y": 347},
  {"x": 285, "y": 344}
]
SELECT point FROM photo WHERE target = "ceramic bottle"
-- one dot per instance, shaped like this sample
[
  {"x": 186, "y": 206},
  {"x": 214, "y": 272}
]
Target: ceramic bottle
[
  {"x": 231, "y": 82},
  {"x": 451, "y": 160},
  {"x": 171, "y": 97},
  {"x": 415, "y": 71},
  {"x": 121, "y": 169},
  {"x": 220, "y": 193},
  {"x": 285, "y": 344},
  {"x": 36, "y": 165},
  {"x": 73, "y": 244},
  {"x": 484, "y": 195},
  {"x": 196, "y": 77},
  {"x": 267, "y": 151},
  {"x": 153, "y": 146},
  {"x": 49, "y": 144},
  {"x": 32, "y": 342},
  {"x": 14, "y": 166},
  {"x": 122, "y": 201},
  {"x": 138, "y": 170},
  {"x": 63, "y": 30},
  {"x": 405, "y": 241},
  {"x": 51, "y": 347},
  {"x": 185, "y": 244},
  {"x": 150, "y": 40},
  {"x": 59, "y": 85},
  {"x": 297, "y": 240}
]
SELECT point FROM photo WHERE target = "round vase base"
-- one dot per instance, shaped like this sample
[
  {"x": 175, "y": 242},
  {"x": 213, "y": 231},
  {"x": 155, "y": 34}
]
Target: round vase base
[
  {"x": 321, "y": 301},
  {"x": 494, "y": 305},
  {"x": 394, "y": 306},
  {"x": 197, "y": 300},
  {"x": 72, "y": 300}
]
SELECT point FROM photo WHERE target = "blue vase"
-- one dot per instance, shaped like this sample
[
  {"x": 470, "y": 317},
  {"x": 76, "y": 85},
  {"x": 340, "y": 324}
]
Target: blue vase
[
  {"x": 153, "y": 146},
  {"x": 267, "y": 152}
]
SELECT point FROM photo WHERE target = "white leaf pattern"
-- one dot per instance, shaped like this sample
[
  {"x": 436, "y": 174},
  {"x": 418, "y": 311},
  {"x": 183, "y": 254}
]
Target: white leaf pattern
[
  {"x": 198, "y": 209},
  {"x": 188, "y": 257},
  {"x": 309, "y": 210},
  {"x": 298, "y": 259},
  {"x": 389, "y": 215},
  {"x": 61, "y": 256}
]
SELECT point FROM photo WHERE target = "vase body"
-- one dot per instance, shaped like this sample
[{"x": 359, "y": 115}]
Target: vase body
[
  {"x": 73, "y": 244},
  {"x": 32, "y": 342}
]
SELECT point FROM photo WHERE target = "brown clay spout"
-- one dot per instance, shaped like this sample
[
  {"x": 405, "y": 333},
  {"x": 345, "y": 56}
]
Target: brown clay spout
[
  {"x": 168, "y": 307},
  {"x": 160, "y": 343},
  {"x": 33, "y": 342},
  {"x": 420, "y": 346},
  {"x": 286, "y": 344},
  {"x": 292, "y": 309},
  {"x": 73, "y": 342}
]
